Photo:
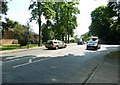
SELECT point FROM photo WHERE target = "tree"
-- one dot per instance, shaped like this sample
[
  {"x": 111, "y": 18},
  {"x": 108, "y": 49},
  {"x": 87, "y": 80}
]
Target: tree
[
  {"x": 38, "y": 9},
  {"x": 8, "y": 25},
  {"x": 3, "y": 7},
  {"x": 105, "y": 24},
  {"x": 65, "y": 19},
  {"x": 23, "y": 34},
  {"x": 47, "y": 33},
  {"x": 57, "y": 13},
  {"x": 85, "y": 36},
  {"x": 116, "y": 7}
]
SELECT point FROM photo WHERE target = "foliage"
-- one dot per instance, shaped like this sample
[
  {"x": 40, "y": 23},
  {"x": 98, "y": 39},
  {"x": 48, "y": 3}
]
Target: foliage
[
  {"x": 65, "y": 20},
  {"x": 4, "y": 7},
  {"x": 15, "y": 46},
  {"x": 85, "y": 37},
  {"x": 7, "y": 25},
  {"x": 105, "y": 24},
  {"x": 47, "y": 33},
  {"x": 115, "y": 55},
  {"x": 60, "y": 15},
  {"x": 20, "y": 33}
]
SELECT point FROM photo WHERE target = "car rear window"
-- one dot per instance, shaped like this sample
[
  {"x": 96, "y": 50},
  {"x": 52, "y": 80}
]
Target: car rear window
[
  {"x": 55, "y": 42},
  {"x": 49, "y": 42}
]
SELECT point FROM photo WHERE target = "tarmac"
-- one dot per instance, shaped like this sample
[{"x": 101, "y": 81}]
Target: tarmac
[{"x": 106, "y": 73}]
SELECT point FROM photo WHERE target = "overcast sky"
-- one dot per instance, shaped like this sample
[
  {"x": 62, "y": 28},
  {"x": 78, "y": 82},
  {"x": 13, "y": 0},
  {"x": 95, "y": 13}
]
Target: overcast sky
[{"x": 18, "y": 11}]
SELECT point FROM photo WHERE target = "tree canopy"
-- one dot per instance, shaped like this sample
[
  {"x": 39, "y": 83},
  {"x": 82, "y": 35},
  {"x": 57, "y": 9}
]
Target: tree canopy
[
  {"x": 60, "y": 17},
  {"x": 105, "y": 23}
]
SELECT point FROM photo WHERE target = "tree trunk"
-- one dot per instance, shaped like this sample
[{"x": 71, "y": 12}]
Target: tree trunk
[{"x": 39, "y": 22}]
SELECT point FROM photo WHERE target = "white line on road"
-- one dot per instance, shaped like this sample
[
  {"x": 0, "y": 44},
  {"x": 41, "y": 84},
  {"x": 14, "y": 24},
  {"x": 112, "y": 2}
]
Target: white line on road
[
  {"x": 30, "y": 63},
  {"x": 15, "y": 59}
]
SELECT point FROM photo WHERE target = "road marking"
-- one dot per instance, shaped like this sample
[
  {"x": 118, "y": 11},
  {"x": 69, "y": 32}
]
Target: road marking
[
  {"x": 30, "y": 63},
  {"x": 18, "y": 59},
  {"x": 14, "y": 60}
]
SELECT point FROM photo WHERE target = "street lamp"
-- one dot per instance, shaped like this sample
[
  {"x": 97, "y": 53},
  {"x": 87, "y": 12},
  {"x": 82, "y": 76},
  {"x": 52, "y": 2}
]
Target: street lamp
[{"x": 28, "y": 34}]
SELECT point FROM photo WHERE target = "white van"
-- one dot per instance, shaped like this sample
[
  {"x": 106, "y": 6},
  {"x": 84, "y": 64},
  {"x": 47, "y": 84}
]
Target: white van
[{"x": 93, "y": 43}]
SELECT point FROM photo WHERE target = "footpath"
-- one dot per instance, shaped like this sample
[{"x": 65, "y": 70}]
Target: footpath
[{"x": 107, "y": 73}]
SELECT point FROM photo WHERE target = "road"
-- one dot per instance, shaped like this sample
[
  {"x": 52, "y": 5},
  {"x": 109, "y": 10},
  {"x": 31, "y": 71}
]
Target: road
[{"x": 73, "y": 64}]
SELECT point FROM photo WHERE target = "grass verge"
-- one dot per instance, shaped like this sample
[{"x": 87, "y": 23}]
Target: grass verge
[
  {"x": 15, "y": 46},
  {"x": 114, "y": 55}
]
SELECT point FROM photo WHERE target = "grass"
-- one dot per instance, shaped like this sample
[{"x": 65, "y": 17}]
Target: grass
[
  {"x": 15, "y": 46},
  {"x": 114, "y": 55}
]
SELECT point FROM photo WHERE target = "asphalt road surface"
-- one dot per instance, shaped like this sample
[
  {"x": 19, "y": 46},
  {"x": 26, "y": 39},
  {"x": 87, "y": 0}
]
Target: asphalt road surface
[{"x": 68, "y": 65}]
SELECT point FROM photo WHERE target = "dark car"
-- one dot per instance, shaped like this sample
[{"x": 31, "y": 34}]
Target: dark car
[{"x": 79, "y": 43}]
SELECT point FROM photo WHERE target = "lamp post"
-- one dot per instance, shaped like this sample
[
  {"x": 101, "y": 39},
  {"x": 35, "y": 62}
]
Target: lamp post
[{"x": 28, "y": 34}]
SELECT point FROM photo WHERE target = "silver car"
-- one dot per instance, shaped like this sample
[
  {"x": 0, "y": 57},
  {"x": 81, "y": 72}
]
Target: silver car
[{"x": 55, "y": 44}]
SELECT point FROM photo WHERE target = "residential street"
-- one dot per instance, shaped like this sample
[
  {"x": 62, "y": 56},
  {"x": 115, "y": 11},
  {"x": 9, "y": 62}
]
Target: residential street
[{"x": 73, "y": 64}]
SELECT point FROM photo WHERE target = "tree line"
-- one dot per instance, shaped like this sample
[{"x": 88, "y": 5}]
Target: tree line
[
  {"x": 60, "y": 19},
  {"x": 22, "y": 33},
  {"x": 106, "y": 23}
]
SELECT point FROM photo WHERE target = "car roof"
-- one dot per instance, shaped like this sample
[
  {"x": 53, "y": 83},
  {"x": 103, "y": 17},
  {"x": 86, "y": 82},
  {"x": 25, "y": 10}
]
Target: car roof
[{"x": 94, "y": 37}]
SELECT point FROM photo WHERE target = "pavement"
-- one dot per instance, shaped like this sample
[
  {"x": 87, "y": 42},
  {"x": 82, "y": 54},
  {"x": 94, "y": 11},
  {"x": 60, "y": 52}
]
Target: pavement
[{"x": 107, "y": 72}]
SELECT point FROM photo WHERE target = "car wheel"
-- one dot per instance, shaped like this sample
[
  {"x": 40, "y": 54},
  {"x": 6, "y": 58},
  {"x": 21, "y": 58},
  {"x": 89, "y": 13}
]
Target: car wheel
[
  {"x": 87, "y": 48},
  {"x": 48, "y": 48},
  {"x": 65, "y": 46},
  {"x": 97, "y": 48},
  {"x": 56, "y": 47}
]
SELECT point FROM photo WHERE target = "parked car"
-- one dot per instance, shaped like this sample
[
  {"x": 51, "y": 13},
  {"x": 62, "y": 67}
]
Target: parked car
[
  {"x": 55, "y": 44},
  {"x": 93, "y": 43}
]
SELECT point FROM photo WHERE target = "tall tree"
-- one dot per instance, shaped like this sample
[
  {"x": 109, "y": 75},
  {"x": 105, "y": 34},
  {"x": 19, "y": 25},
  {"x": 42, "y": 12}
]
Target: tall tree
[
  {"x": 63, "y": 20},
  {"x": 105, "y": 24},
  {"x": 38, "y": 9}
]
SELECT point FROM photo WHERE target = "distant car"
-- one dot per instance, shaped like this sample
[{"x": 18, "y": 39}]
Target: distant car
[
  {"x": 93, "y": 43},
  {"x": 55, "y": 44},
  {"x": 79, "y": 43}
]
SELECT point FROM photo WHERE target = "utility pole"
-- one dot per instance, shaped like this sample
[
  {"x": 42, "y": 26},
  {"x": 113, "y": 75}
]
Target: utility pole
[{"x": 28, "y": 35}]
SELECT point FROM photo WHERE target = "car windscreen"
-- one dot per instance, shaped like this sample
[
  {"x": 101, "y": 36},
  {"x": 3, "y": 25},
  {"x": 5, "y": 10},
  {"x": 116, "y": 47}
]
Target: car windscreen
[{"x": 94, "y": 39}]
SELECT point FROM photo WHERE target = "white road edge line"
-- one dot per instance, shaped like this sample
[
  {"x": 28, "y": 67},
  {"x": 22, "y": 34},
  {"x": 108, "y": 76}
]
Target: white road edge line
[{"x": 29, "y": 63}]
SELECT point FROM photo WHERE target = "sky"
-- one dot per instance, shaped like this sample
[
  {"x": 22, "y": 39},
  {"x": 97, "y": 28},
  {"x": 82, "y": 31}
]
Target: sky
[{"x": 18, "y": 11}]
